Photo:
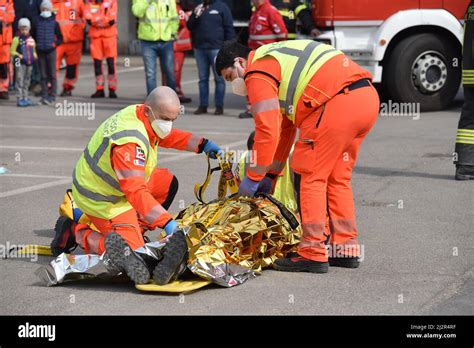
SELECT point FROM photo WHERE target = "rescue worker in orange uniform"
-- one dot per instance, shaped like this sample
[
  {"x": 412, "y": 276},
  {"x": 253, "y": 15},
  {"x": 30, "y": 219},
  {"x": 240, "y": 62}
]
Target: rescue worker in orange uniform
[
  {"x": 70, "y": 16},
  {"x": 101, "y": 15},
  {"x": 310, "y": 86},
  {"x": 266, "y": 26},
  {"x": 181, "y": 46},
  {"x": 7, "y": 16},
  {"x": 117, "y": 185}
]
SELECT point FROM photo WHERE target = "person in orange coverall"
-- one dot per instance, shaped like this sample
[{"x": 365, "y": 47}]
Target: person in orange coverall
[
  {"x": 316, "y": 88},
  {"x": 131, "y": 138},
  {"x": 266, "y": 26},
  {"x": 7, "y": 16},
  {"x": 101, "y": 15},
  {"x": 70, "y": 16},
  {"x": 181, "y": 46}
]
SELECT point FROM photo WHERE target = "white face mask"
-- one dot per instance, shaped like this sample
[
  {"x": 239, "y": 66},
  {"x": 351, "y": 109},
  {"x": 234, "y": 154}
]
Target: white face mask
[
  {"x": 238, "y": 84},
  {"x": 46, "y": 14},
  {"x": 161, "y": 127}
]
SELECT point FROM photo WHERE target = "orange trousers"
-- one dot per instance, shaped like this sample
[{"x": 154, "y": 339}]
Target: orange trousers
[
  {"x": 324, "y": 156},
  {"x": 72, "y": 51},
  {"x": 4, "y": 67},
  {"x": 163, "y": 186}
]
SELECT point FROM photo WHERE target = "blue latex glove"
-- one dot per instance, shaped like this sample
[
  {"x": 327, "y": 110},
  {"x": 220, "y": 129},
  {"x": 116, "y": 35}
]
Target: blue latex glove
[
  {"x": 212, "y": 149},
  {"x": 170, "y": 227},
  {"x": 248, "y": 187},
  {"x": 265, "y": 185}
]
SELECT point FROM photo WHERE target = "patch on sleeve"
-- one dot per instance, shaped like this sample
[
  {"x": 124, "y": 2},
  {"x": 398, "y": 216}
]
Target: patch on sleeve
[{"x": 140, "y": 157}]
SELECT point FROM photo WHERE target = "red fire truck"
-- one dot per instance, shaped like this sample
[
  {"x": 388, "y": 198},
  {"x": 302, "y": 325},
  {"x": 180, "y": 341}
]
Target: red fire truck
[{"x": 413, "y": 47}]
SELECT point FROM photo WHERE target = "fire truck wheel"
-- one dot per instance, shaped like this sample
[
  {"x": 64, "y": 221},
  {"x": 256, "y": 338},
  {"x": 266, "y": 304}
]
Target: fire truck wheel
[{"x": 425, "y": 69}]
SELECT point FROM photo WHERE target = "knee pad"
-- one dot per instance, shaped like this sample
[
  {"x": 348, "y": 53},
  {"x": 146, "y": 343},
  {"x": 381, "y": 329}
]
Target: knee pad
[
  {"x": 71, "y": 72},
  {"x": 171, "y": 193},
  {"x": 97, "y": 67},
  {"x": 111, "y": 65}
]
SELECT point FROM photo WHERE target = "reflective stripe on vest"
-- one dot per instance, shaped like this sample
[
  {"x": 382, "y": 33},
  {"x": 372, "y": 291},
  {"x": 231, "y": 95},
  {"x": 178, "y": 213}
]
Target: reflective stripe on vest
[
  {"x": 93, "y": 161},
  {"x": 267, "y": 37},
  {"x": 96, "y": 189},
  {"x": 296, "y": 73}
]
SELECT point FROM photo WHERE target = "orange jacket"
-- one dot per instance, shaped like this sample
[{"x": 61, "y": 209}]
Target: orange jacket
[
  {"x": 7, "y": 16},
  {"x": 266, "y": 26},
  {"x": 128, "y": 161},
  {"x": 183, "y": 42},
  {"x": 70, "y": 16},
  {"x": 275, "y": 133},
  {"x": 103, "y": 17}
]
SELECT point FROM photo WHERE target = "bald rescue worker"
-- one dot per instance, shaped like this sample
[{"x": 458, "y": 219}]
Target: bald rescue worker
[
  {"x": 315, "y": 88},
  {"x": 70, "y": 16},
  {"x": 117, "y": 185}
]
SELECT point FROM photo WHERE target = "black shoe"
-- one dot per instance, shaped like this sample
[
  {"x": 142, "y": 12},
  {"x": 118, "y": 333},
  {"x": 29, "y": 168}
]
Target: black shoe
[
  {"x": 201, "y": 110},
  {"x": 4, "y": 95},
  {"x": 98, "y": 94},
  {"x": 64, "y": 240},
  {"x": 184, "y": 100},
  {"x": 66, "y": 93},
  {"x": 125, "y": 259},
  {"x": 219, "y": 110},
  {"x": 464, "y": 172},
  {"x": 300, "y": 264},
  {"x": 245, "y": 114},
  {"x": 346, "y": 262},
  {"x": 175, "y": 255},
  {"x": 112, "y": 94}
]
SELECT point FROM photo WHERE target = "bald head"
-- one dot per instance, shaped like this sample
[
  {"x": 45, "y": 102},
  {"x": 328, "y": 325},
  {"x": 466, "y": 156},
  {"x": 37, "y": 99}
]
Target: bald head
[{"x": 164, "y": 102}]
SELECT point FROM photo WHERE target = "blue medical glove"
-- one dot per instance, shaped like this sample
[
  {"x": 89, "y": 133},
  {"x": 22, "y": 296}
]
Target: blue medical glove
[
  {"x": 248, "y": 187},
  {"x": 170, "y": 227},
  {"x": 265, "y": 185},
  {"x": 212, "y": 149}
]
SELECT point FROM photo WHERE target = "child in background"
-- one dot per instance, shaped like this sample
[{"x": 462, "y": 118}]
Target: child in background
[
  {"x": 24, "y": 55},
  {"x": 48, "y": 38}
]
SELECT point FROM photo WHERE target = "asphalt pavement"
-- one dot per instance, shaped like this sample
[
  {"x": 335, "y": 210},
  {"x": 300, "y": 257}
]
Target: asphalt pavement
[{"x": 416, "y": 222}]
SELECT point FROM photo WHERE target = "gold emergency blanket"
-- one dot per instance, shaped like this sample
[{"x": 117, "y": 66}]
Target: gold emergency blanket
[{"x": 249, "y": 232}]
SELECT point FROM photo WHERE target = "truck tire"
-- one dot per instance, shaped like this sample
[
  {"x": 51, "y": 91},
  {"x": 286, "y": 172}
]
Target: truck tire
[{"x": 420, "y": 70}]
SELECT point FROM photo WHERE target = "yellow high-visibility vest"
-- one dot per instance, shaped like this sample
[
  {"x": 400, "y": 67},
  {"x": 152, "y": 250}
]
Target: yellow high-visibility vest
[
  {"x": 299, "y": 61},
  {"x": 95, "y": 188}
]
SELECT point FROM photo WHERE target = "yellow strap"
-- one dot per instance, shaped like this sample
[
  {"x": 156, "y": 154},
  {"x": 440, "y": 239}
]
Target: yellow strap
[
  {"x": 33, "y": 249},
  {"x": 226, "y": 180}
]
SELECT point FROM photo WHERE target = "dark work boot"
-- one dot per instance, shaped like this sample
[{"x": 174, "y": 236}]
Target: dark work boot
[
  {"x": 219, "y": 110},
  {"x": 124, "y": 258},
  {"x": 346, "y": 262},
  {"x": 64, "y": 240},
  {"x": 245, "y": 114},
  {"x": 201, "y": 110},
  {"x": 66, "y": 92},
  {"x": 297, "y": 263},
  {"x": 112, "y": 94},
  {"x": 98, "y": 94},
  {"x": 175, "y": 256},
  {"x": 464, "y": 172}
]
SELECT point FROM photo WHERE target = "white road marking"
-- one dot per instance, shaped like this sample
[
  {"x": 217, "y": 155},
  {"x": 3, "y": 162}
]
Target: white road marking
[
  {"x": 34, "y": 188},
  {"x": 69, "y": 180},
  {"x": 117, "y": 72},
  {"x": 45, "y": 148},
  {"x": 36, "y": 176},
  {"x": 204, "y": 132}
]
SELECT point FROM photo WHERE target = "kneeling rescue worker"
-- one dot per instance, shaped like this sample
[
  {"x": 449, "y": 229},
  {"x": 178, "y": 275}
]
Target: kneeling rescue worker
[
  {"x": 117, "y": 185},
  {"x": 313, "y": 87}
]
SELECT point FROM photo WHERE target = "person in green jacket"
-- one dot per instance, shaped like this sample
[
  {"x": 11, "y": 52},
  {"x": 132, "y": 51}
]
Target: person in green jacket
[{"x": 158, "y": 24}]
